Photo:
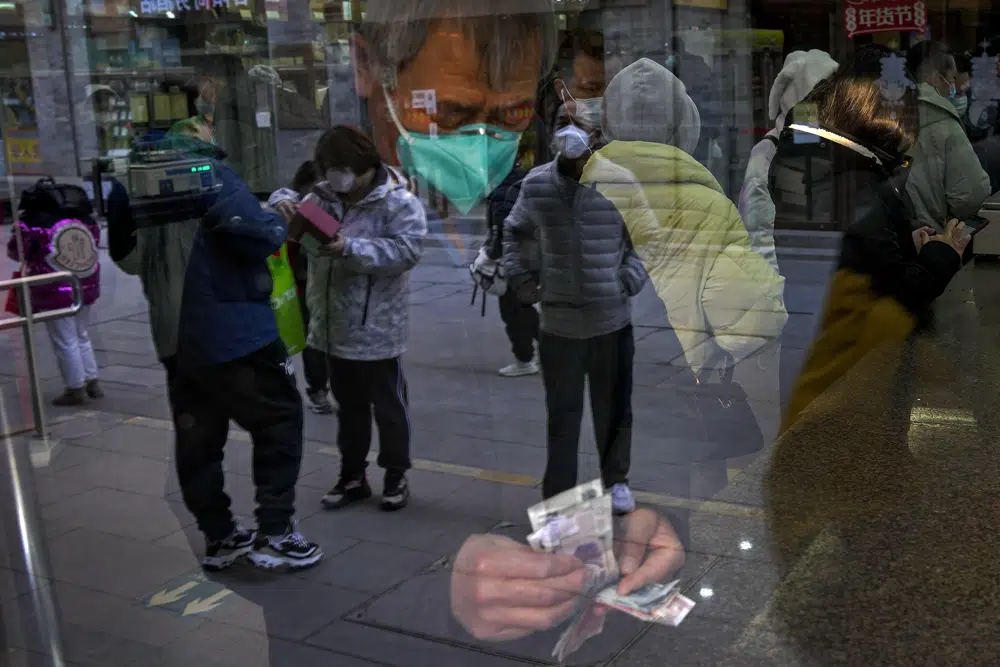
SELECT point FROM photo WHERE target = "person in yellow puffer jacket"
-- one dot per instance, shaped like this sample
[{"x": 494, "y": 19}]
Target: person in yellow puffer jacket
[{"x": 688, "y": 233}]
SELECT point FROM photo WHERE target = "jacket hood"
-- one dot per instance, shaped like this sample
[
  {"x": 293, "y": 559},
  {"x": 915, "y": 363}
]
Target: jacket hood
[
  {"x": 930, "y": 97},
  {"x": 645, "y": 102},
  {"x": 799, "y": 74},
  {"x": 651, "y": 163}
]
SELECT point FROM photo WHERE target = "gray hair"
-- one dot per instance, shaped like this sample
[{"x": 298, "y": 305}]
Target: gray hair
[{"x": 396, "y": 30}]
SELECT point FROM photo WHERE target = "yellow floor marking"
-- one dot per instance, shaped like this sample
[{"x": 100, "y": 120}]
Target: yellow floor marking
[{"x": 513, "y": 479}]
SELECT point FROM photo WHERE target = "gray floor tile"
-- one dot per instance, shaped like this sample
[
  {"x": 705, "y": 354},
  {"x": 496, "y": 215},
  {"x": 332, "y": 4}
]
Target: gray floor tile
[
  {"x": 91, "y": 648},
  {"x": 120, "y": 513},
  {"x": 121, "y": 566},
  {"x": 420, "y": 526},
  {"x": 370, "y": 567},
  {"x": 697, "y": 642},
  {"x": 399, "y": 650},
  {"x": 53, "y": 486},
  {"x": 121, "y": 617},
  {"x": 734, "y": 537},
  {"x": 734, "y": 590},
  {"x": 133, "y": 439},
  {"x": 16, "y": 657},
  {"x": 15, "y": 583},
  {"x": 219, "y": 645},
  {"x": 289, "y": 607},
  {"x": 502, "y": 502},
  {"x": 126, "y": 472},
  {"x": 137, "y": 376}
]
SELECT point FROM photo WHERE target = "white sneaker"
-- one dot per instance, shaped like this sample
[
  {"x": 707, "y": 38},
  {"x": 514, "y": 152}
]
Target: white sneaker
[
  {"x": 622, "y": 500},
  {"x": 520, "y": 369}
]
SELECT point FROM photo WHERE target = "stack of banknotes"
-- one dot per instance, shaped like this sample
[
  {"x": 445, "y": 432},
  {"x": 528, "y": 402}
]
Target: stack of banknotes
[{"x": 579, "y": 523}]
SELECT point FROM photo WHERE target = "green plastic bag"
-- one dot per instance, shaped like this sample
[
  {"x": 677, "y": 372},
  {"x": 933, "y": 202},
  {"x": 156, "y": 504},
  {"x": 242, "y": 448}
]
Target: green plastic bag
[{"x": 285, "y": 302}]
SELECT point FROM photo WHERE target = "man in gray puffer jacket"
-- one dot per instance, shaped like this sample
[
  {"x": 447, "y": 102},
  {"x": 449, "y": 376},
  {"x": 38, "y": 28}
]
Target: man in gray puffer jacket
[{"x": 588, "y": 276}]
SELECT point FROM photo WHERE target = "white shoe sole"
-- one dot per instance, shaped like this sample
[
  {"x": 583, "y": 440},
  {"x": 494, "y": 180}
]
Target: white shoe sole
[
  {"x": 215, "y": 563},
  {"x": 268, "y": 562},
  {"x": 519, "y": 373}
]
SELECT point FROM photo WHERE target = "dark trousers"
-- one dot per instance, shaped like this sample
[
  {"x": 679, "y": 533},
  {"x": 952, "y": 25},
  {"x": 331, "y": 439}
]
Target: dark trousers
[
  {"x": 257, "y": 392},
  {"x": 521, "y": 322},
  {"x": 313, "y": 361},
  {"x": 363, "y": 389},
  {"x": 566, "y": 363}
]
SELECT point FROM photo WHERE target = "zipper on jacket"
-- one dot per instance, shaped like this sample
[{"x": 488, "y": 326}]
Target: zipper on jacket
[{"x": 368, "y": 298}]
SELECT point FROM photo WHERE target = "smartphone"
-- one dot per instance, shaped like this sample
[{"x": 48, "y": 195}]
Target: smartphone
[
  {"x": 975, "y": 225},
  {"x": 972, "y": 226},
  {"x": 311, "y": 226}
]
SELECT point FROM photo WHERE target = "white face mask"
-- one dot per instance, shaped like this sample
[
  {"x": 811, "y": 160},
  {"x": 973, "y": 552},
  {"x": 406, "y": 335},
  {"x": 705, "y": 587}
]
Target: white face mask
[
  {"x": 572, "y": 142},
  {"x": 589, "y": 112},
  {"x": 341, "y": 181}
]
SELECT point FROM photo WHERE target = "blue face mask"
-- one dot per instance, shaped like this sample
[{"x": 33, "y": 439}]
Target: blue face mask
[
  {"x": 465, "y": 165},
  {"x": 961, "y": 105}
]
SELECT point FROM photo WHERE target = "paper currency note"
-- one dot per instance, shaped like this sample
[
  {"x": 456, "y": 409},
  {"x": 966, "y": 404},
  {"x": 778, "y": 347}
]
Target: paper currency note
[
  {"x": 655, "y": 603},
  {"x": 579, "y": 523},
  {"x": 588, "y": 623}
]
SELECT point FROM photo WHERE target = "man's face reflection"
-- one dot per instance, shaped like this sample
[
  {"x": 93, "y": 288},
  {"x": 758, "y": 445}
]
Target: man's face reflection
[{"x": 450, "y": 64}]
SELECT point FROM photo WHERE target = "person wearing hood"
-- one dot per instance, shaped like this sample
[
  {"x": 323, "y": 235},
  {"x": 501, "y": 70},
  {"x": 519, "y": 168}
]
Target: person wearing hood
[
  {"x": 202, "y": 259},
  {"x": 358, "y": 295},
  {"x": 801, "y": 71},
  {"x": 685, "y": 229},
  {"x": 946, "y": 179},
  {"x": 589, "y": 273}
]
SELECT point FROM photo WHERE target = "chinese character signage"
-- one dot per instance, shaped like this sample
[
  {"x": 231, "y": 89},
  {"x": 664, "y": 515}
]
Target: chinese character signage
[
  {"x": 180, "y": 6},
  {"x": 864, "y": 17},
  {"x": 22, "y": 151}
]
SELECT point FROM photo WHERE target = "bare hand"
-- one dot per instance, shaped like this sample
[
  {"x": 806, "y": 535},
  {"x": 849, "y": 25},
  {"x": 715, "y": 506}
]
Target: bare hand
[
  {"x": 334, "y": 248},
  {"x": 527, "y": 293},
  {"x": 922, "y": 236},
  {"x": 286, "y": 209},
  {"x": 954, "y": 235},
  {"x": 502, "y": 590},
  {"x": 648, "y": 552}
]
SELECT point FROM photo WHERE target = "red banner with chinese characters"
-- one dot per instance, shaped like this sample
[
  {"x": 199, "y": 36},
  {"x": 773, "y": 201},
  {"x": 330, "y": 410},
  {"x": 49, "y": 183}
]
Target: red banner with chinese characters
[{"x": 863, "y": 17}]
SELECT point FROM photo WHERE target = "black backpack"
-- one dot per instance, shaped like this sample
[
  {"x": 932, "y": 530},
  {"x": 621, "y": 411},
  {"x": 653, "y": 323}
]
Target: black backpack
[{"x": 46, "y": 202}]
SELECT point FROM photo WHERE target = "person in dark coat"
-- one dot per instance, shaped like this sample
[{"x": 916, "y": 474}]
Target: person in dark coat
[{"x": 520, "y": 319}]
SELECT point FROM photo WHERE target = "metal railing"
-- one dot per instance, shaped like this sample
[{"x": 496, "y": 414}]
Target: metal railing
[
  {"x": 26, "y": 318},
  {"x": 18, "y": 460}
]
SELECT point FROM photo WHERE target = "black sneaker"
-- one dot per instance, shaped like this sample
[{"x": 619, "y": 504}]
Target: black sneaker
[
  {"x": 348, "y": 490},
  {"x": 319, "y": 402},
  {"x": 396, "y": 492},
  {"x": 69, "y": 398},
  {"x": 222, "y": 554},
  {"x": 290, "y": 551},
  {"x": 93, "y": 389}
]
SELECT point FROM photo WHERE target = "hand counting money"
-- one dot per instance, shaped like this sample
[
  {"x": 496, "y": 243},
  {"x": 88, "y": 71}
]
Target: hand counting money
[{"x": 579, "y": 523}]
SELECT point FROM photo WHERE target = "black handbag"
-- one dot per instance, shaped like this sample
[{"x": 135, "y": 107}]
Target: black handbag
[{"x": 725, "y": 426}]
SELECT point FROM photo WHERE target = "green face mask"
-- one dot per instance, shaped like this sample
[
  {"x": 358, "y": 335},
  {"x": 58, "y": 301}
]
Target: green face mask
[{"x": 465, "y": 165}]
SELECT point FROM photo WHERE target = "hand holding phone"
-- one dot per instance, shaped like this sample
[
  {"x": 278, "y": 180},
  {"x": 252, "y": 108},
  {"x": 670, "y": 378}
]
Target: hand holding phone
[
  {"x": 954, "y": 235},
  {"x": 311, "y": 226}
]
